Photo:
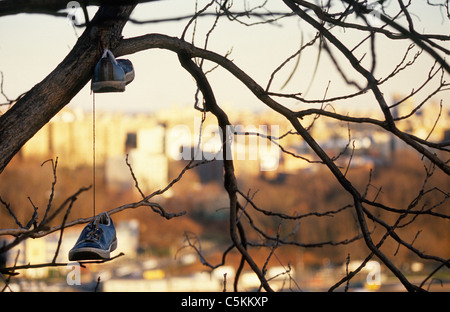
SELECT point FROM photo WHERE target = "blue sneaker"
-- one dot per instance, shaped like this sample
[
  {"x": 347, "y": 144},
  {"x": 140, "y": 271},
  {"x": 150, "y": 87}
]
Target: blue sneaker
[
  {"x": 96, "y": 241},
  {"x": 127, "y": 67},
  {"x": 109, "y": 76}
]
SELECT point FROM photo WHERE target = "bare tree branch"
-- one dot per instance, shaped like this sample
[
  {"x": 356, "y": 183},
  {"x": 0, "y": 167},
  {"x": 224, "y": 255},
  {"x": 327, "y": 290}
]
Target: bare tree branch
[{"x": 28, "y": 113}]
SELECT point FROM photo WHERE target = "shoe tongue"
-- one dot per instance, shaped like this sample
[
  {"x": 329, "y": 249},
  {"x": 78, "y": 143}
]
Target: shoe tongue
[
  {"x": 99, "y": 219},
  {"x": 102, "y": 219},
  {"x": 107, "y": 54}
]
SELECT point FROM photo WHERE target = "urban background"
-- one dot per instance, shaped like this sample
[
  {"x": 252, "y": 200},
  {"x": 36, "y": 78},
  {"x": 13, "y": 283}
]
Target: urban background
[{"x": 157, "y": 256}]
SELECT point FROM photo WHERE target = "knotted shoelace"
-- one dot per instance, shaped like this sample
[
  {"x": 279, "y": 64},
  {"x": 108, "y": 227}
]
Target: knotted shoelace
[{"x": 94, "y": 231}]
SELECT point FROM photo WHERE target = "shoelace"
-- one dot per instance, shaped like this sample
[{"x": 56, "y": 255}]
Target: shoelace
[{"x": 95, "y": 231}]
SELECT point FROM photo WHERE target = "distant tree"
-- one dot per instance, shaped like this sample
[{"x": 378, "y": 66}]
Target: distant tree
[{"x": 332, "y": 21}]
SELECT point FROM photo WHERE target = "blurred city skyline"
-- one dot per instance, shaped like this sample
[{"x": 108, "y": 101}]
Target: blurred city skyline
[{"x": 153, "y": 140}]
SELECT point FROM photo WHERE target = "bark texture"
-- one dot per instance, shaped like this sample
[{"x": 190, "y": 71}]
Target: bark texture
[{"x": 48, "y": 97}]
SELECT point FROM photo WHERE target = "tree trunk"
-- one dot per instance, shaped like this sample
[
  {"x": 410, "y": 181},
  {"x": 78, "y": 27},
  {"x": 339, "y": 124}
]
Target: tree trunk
[{"x": 48, "y": 97}]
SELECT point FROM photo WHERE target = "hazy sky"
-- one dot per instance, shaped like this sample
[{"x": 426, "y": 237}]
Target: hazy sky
[{"x": 31, "y": 46}]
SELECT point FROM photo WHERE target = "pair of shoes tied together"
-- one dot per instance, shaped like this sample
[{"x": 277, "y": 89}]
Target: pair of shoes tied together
[
  {"x": 111, "y": 75},
  {"x": 96, "y": 241}
]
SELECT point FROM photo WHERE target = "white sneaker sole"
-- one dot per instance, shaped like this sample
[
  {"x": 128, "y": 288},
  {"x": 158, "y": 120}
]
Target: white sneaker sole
[{"x": 91, "y": 253}]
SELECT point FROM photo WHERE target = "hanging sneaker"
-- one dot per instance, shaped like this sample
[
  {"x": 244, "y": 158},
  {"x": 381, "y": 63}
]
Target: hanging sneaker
[
  {"x": 109, "y": 76},
  {"x": 127, "y": 67},
  {"x": 96, "y": 241}
]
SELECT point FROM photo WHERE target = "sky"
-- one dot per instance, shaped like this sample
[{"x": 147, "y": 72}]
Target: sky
[{"x": 32, "y": 45}]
